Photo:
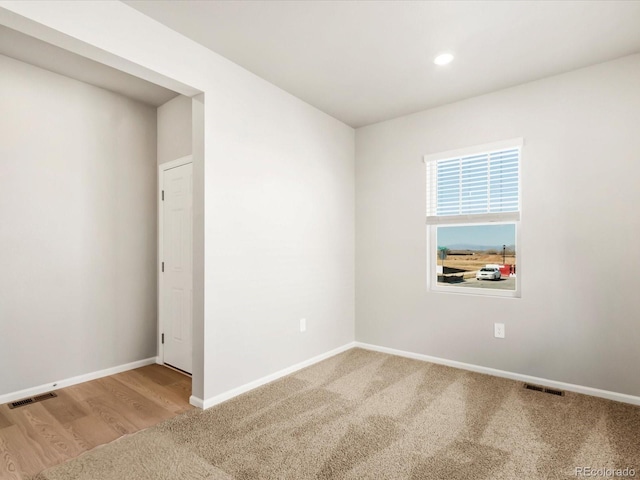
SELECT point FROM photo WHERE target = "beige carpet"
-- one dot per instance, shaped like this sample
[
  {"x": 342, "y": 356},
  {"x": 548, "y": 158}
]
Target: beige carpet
[{"x": 363, "y": 415}]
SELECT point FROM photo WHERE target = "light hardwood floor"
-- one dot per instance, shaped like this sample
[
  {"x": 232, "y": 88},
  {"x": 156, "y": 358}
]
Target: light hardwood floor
[{"x": 38, "y": 436}]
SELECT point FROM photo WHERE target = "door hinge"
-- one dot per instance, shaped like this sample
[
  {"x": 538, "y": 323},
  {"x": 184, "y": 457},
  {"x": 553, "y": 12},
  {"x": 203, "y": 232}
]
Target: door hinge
[
  {"x": 163, "y": 195},
  {"x": 162, "y": 267},
  {"x": 163, "y": 338}
]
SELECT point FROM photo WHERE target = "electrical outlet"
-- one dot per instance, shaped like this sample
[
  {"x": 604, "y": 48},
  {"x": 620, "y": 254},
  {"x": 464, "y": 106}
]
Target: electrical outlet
[
  {"x": 498, "y": 330},
  {"x": 303, "y": 324}
]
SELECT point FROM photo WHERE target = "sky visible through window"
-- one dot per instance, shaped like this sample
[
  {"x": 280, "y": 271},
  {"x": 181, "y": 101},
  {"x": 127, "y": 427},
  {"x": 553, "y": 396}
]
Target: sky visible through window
[{"x": 477, "y": 237}]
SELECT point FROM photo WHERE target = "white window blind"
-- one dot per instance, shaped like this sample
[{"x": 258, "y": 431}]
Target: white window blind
[{"x": 468, "y": 186}]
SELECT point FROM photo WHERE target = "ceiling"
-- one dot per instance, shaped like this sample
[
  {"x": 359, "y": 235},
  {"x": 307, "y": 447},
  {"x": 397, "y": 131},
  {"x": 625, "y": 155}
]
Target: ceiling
[
  {"x": 58, "y": 60},
  {"x": 367, "y": 61}
]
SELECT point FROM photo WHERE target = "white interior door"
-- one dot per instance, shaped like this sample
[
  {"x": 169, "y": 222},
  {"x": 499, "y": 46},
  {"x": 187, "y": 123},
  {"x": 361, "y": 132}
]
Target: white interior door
[{"x": 177, "y": 287}]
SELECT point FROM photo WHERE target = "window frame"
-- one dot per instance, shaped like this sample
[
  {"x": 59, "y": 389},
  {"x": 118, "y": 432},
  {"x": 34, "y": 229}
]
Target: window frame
[{"x": 511, "y": 218}]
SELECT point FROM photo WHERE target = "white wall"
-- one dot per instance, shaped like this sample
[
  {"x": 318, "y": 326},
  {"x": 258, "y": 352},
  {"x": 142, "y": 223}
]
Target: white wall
[
  {"x": 174, "y": 129},
  {"x": 277, "y": 196},
  {"x": 77, "y": 230},
  {"x": 279, "y": 234},
  {"x": 577, "y": 320}
]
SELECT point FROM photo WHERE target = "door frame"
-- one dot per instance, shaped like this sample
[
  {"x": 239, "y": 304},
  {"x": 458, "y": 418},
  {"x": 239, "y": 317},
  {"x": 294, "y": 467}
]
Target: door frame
[{"x": 163, "y": 167}]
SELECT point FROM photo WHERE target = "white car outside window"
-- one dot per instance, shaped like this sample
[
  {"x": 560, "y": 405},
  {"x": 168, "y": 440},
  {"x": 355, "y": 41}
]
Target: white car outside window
[{"x": 488, "y": 273}]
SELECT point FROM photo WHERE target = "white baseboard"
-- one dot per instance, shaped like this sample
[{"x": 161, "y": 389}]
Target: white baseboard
[
  {"x": 210, "y": 402},
  {"x": 594, "y": 392},
  {"x": 67, "y": 382}
]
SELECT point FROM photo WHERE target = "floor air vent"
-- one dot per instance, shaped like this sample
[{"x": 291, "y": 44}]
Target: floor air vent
[
  {"x": 553, "y": 391},
  {"x": 30, "y": 400},
  {"x": 537, "y": 388}
]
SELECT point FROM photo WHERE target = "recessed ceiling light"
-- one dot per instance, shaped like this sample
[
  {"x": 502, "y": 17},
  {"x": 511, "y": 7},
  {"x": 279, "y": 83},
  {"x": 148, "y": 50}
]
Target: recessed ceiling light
[{"x": 443, "y": 59}]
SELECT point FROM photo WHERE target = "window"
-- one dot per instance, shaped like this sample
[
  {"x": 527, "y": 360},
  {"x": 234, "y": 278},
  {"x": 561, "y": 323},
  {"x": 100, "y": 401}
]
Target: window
[{"x": 473, "y": 218}]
